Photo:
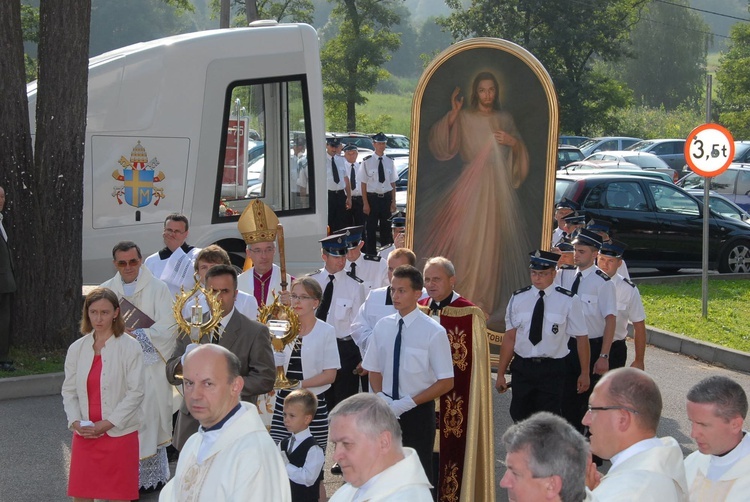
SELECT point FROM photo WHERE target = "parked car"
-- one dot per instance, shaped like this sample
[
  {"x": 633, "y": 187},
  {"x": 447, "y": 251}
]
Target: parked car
[
  {"x": 360, "y": 140},
  {"x": 644, "y": 160},
  {"x": 567, "y": 154},
  {"x": 722, "y": 205},
  {"x": 572, "y": 140},
  {"x": 741, "y": 152},
  {"x": 606, "y": 143},
  {"x": 671, "y": 151},
  {"x": 734, "y": 184},
  {"x": 564, "y": 178},
  {"x": 661, "y": 223},
  {"x": 397, "y": 145}
]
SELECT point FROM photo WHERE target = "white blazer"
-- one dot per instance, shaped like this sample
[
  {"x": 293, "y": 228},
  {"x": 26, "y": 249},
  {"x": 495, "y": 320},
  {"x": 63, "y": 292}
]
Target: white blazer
[
  {"x": 319, "y": 352},
  {"x": 122, "y": 380}
]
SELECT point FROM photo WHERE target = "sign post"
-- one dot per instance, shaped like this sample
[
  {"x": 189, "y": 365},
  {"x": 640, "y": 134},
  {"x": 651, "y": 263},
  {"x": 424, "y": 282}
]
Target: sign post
[{"x": 709, "y": 149}]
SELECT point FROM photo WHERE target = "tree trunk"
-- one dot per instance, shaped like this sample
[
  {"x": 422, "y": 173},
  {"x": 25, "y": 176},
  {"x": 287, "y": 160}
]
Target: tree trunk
[
  {"x": 224, "y": 14},
  {"x": 251, "y": 10},
  {"x": 48, "y": 194}
]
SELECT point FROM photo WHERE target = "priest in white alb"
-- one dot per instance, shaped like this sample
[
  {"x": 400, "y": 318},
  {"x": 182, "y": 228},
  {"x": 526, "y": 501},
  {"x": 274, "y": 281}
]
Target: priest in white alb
[{"x": 174, "y": 265}]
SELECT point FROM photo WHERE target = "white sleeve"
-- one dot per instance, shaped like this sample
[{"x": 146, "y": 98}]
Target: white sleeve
[{"x": 309, "y": 472}]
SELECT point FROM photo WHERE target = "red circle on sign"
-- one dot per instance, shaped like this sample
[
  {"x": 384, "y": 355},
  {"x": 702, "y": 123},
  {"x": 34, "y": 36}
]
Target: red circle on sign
[{"x": 699, "y": 165}]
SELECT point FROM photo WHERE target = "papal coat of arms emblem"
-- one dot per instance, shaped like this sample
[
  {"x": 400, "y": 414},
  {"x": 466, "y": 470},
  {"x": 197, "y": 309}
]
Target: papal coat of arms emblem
[{"x": 138, "y": 176}]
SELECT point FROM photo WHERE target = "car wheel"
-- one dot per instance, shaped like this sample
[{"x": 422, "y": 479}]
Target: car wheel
[{"x": 736, "y": 259}]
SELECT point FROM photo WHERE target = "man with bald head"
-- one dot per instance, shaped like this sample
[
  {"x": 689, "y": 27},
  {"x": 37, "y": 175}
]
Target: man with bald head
[
  {"x": 231, "y": 457},
  {"x": 623, "y": 414}
]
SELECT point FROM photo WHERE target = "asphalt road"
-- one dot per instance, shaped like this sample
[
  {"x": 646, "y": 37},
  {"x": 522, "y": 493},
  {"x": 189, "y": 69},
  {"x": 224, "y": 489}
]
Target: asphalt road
[{"x": 35, "y": 442}]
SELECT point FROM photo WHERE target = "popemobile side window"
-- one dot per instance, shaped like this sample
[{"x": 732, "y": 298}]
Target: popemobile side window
[{"x": 264, "y": 148}]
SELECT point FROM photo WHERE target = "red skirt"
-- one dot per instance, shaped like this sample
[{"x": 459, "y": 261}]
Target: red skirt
[{"x": 105, "y": 467}]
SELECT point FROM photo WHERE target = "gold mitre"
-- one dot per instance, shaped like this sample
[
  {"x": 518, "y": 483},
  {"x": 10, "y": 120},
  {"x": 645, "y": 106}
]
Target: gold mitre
[{"x": 258, "y": 223}]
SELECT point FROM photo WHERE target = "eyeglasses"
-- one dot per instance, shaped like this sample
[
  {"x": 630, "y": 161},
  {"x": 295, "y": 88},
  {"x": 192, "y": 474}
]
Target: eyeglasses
[
  {"x": 607, "y": 408},
  {"x": 302, "y": 297},
  {"x": 270, "y": 250},
  {"x": 133, "y": 263},
  {"x": 171, "y": 231}
]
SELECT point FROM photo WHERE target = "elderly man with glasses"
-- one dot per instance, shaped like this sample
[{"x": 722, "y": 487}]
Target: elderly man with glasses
[
  {"x": 623, "y": 414},
  {"x": 148, "y": 318}
]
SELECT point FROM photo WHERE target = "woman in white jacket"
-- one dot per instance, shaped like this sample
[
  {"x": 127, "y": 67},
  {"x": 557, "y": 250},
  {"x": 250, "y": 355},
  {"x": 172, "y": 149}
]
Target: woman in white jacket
[
  {"x": 102, "y": 395},
  {"x": 312, "y": 359}
]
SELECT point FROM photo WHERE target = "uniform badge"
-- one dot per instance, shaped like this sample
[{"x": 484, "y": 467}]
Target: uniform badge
[{"x": 555, "y": 329}]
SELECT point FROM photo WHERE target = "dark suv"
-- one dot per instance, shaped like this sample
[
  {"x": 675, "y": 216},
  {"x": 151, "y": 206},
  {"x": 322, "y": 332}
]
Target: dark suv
[{"x": 662, "y": 224}]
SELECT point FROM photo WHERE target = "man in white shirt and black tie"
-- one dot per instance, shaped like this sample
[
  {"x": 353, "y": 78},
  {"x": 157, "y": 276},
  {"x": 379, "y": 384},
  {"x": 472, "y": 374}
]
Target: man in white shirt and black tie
[
  {"x": 539, "y": 321},
  {"x": 339, "y": 187},
  {"x": 410, "y": 364},
  {"x": 377, "y": 176},
  {"x": 356, "y": 212}
]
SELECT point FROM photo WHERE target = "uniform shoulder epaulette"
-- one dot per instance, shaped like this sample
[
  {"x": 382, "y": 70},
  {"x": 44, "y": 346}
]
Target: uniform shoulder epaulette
[
  {"x": 628, "y": 281},
  {"x": 355, "y": 277},
  {"x": 566, "y": 267},
  {"x": 518, "y": 291},
  {"x": 388, "y": 156},
  {"x": 564, "y": 291},
  {"x": 316, "y": 272},
  {"x": 366, "y": 158},
  {"x": 373, "y": 257},
  {"x": 603, "y": 275}
]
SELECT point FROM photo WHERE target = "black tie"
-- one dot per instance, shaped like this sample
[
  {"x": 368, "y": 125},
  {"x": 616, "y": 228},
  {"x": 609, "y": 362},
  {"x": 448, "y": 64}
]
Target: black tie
[
  {"x": 353, "y": 178},
  {"x": 322, "y": 311},
  {"x": 354, "y": 270},
  {"x": 396, "y": 360},
  {"x": 335, "y": 171},
  {"x": 388, "y": 299},
  {"x": 381, "y": 171},
  {"x": 537, "y": 320},
  {"x": 574, "y": 289}
]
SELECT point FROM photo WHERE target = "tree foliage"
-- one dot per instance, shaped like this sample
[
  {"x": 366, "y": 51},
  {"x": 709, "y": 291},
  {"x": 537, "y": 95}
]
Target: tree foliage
[
  {"x": 352, "y": 61},
  {"x": 566, "y": 36},
  {"x": 733, "y": 81},
  {"x": 668, "y": 67},
  {"x": 288, "y": 11},
  {"x": 45, "y": 188}
]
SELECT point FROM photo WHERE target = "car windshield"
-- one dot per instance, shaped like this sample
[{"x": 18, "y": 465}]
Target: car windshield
[
  {"x": 647, "y": 161},
  {"x": 588, "y": 143},
  {"x": 641, "y": 145},
  {"x": 740, "y": 149},
  {"x": 397, "y": 142}
]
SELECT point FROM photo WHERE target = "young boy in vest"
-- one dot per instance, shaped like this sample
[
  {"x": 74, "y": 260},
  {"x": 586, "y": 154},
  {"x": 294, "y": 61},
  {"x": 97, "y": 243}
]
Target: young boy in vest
[{"x": 303, "y": 457}]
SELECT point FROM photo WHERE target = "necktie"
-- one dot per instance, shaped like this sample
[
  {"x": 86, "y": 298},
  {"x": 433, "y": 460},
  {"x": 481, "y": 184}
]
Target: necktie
[
  {"x": 574, "y": 289},
  {"x": 335, "y": 171},
  {"x": 354, "y": 270},
  {"x": 388, "y": 299},
  {"x": 396, "y": 360},
  {"x": 537, "y": 320},
  {"x": 291, "y": 445},
  {"x": 322, "y": 312},
  {"x": 381, "y": 171},
  {"x": 353, "y": 178}
]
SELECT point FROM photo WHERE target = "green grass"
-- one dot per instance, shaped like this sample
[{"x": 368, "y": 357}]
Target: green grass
[
  {"x": 678, "y": 308},
  {"x": 395, "y": 106},
  {"x": 28, "y": 362}
]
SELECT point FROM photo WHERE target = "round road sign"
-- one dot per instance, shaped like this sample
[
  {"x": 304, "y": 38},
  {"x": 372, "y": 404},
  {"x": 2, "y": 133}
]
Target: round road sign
[{"x": 709, "y": 149}]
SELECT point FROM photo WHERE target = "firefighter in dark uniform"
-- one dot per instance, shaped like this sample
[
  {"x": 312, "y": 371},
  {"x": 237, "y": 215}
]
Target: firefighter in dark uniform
[{"x": 339, "y": 187}]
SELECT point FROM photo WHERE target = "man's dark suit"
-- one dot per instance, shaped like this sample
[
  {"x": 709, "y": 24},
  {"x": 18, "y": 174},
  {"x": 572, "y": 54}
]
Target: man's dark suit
[
  {"x": 7, "y": 288},
  {"x": 248, "y": 340}
]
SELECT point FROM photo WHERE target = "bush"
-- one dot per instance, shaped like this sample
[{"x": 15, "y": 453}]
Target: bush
[{"x": 649, "y": 123}]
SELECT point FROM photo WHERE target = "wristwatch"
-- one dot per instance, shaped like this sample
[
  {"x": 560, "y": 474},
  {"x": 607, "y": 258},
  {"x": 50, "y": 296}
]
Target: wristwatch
[{"x": 604, "y": 356}]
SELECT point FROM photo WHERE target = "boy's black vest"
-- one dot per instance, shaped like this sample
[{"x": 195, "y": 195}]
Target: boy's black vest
[{"x": 302, "y": 493}]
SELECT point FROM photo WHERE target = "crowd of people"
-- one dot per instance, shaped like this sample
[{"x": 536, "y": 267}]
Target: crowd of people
[{"x": 387, "y": 356}]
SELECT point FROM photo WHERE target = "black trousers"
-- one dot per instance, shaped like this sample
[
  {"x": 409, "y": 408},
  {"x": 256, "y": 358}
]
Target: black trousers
[
  {"x": 618, "y": 354},
  {"x": 357, "y": 213},
  {"x": 377, "y": 221},
  {"x": 418, "y": 432},
  {"x": 574, "y": 405},
  {"x": 337, "y": 215},
  {"x": 347, "y": 381},
  {"x": 538, "y": 385},
  {"x": 6, "y": 299}
]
